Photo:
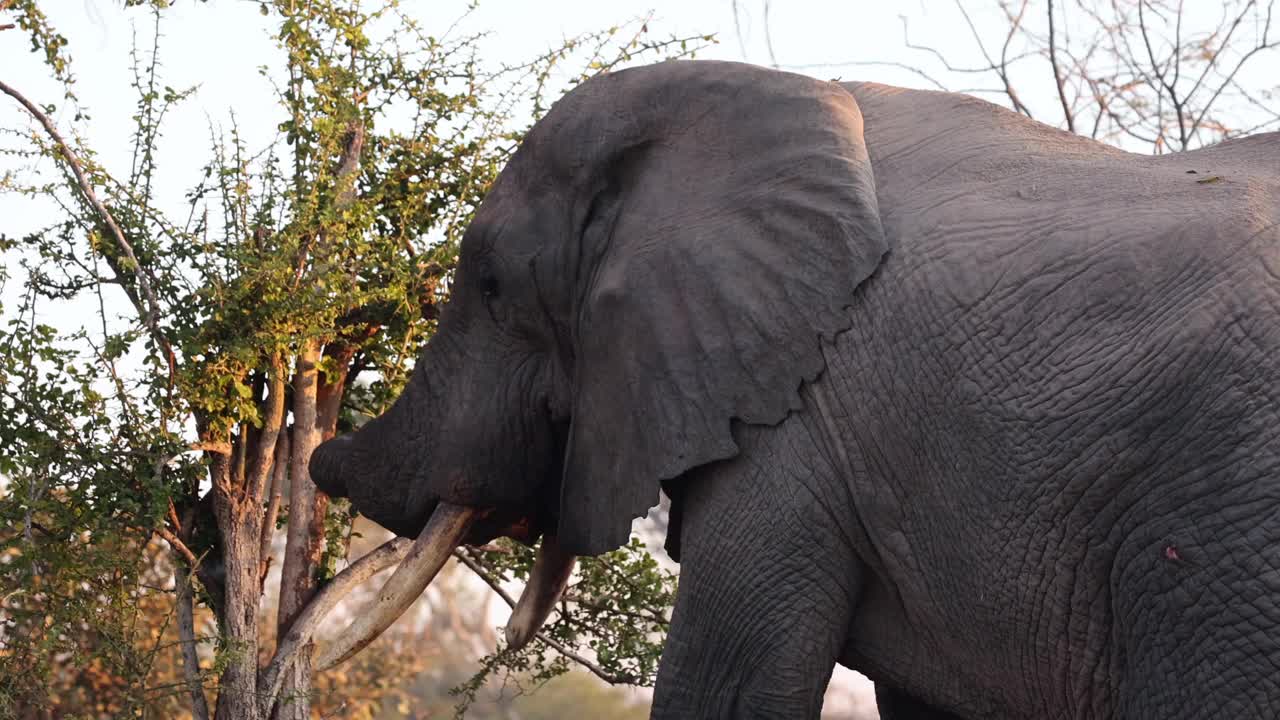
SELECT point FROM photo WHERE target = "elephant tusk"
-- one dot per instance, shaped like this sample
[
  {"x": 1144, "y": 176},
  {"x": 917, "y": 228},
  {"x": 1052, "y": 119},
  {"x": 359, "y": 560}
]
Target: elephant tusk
[
  {"x": 434, "y": 545},
  {"x": 547, "y": 581}
]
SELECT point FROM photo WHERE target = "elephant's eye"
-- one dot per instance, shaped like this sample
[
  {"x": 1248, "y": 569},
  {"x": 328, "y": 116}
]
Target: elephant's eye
[{"x": 489, "y": 286}]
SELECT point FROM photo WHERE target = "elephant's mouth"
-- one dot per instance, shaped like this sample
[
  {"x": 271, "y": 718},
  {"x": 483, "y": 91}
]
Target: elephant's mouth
[{"x": 518, "y": 524}]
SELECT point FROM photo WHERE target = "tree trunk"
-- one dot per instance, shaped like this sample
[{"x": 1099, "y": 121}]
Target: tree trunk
[
  {"x": 305, "y": 538},
  {"x": 279, "y": 476},
  {"x": 239, "y": 481},
  {"x": 241, "y": 538}
]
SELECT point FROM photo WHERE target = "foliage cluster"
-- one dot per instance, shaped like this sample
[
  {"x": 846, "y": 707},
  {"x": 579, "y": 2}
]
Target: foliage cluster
[{"x": 285, "y": 300}]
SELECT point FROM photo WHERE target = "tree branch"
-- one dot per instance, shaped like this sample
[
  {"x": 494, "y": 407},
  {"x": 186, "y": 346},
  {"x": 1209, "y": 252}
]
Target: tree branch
[
  {"x": 178, "y": 546},
  {"x": 1001, "y": 69},
  {"x": 559, "y": 647},
  {"x": 187, "y": 634},
  {"x": 265, "y": 452},
  {"x": 1261, "y": 46},
  {"x": 1165, "y": 86},
  {"x": 149, "y": 310},
  {"x": 303, "y": 628},
  {"x": 1057, "y": 74},
  {"x": 279, "y": 476}
]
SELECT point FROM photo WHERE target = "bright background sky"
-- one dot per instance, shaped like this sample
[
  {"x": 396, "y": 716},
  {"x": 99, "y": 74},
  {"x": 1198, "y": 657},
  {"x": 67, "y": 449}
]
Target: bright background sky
[{"x": 220, "y": 45}]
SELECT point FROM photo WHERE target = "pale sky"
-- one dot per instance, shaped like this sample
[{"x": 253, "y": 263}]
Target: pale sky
[{"x": 220, "y": 45}]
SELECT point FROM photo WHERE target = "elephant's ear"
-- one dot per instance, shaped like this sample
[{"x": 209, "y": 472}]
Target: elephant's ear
[{"x": 727, "y": 246}]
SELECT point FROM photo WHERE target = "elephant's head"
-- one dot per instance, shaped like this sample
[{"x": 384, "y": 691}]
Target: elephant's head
[{"x": 662, "y": 255}]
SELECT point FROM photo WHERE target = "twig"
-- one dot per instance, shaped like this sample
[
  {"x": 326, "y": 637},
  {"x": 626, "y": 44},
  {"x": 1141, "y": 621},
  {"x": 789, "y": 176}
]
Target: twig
[
  {"x": 559, "y": 647},
  {"x": 768, "y": 37},
  {"x": 737, "y": 29},
  {"x": 150, "y": 310},
  {"x": 1057, "y": 74},
  {"x": 873, "y": 63},
  {"x": 1226, "y": 42},
  {"x": 1263, "y": 45},
  {"x": 1178, "y": 103},
  {"x": 178, "y": 546},
  {"x": 1001, "y": 69}
]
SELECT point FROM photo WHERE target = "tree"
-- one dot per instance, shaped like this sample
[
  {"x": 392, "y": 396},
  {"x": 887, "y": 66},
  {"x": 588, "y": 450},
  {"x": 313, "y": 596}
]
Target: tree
[{"x": 284, "y": 303}]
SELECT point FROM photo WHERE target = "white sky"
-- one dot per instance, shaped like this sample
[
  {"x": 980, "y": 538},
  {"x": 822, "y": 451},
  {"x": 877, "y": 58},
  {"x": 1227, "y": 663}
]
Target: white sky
[{"x": 220, "y": 45}]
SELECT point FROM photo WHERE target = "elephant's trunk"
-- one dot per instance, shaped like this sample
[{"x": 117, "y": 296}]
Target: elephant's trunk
[
  {"x": 435, "y": 544},
  {"x": 327, "y": 465}
]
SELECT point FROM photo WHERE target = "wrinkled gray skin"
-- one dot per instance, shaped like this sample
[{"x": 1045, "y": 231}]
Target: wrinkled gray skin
[{"x": 1030, "y": 470}]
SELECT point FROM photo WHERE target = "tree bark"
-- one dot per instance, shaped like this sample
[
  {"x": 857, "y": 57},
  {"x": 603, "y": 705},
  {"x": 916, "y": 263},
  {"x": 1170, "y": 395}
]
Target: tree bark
[
  {"x": 187, "y": 636},
  {"x": 279, "y": 476},
  {"x": 237, "y": 504},
  {"x": 304, "y": 542},
  {"x": 237, "y": 688},
  {"x": 309, "y": 620}
]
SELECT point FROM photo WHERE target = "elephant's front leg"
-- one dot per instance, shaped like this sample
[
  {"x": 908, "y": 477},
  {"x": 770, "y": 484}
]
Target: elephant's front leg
[{"x": 767, "y": 586}]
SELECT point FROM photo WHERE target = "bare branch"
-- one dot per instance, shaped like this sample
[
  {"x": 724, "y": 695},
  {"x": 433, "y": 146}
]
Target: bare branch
[
  {"x": 1226, "y": 42},
  {"x": 1263, "y": 45},
  {"x": 559, "y": 647},
  {"x": 304, "y": 627},
  {"x": 737, "y": 29},
  {"x": 871, "y": 63},
  {"x": 768, "y": 37},
  {"x": 187, "y": 634},
  {"x": 178, "y": 546},
  {"x": 1001, "y": 69},
  {"x": 1166, "y": 87},
  {"x": 1057, "y": 74}
]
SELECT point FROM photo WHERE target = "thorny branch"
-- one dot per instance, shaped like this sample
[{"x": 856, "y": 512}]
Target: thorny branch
[
  {"x": 558, "y": 646},
  {"x": 148, "y": 311}
]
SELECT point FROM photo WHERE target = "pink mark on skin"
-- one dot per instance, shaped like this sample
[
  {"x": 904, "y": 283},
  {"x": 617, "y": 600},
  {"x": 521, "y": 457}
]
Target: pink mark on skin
[{"x": 1171, "y": 553}]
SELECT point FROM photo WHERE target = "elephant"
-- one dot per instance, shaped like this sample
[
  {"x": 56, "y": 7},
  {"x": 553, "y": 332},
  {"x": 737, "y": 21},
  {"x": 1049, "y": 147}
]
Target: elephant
[{"x": 985, "y": 410}]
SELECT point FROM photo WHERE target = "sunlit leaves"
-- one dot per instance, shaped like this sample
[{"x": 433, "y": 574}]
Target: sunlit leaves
[
  {"x": 615, "y": 614},
  {"x": 342, "y": 231}
]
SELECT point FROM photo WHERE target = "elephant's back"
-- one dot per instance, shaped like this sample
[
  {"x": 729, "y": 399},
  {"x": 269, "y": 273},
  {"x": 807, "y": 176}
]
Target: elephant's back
[
  {"x": 995, "y": 219},
  {"x": 1033, "y": 278}
]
